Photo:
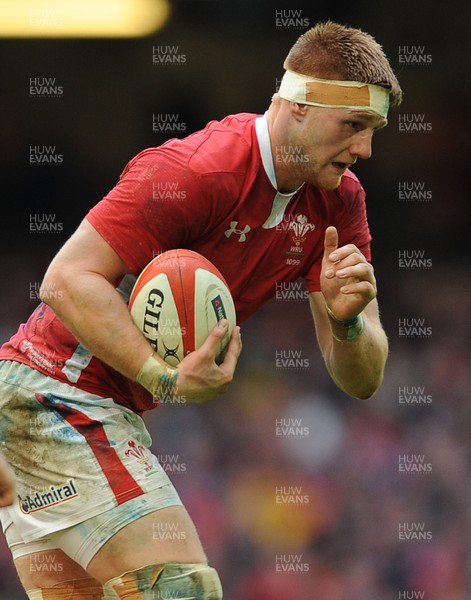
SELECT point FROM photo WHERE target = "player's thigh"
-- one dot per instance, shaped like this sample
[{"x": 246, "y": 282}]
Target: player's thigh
[
  {"x": 166, "y": 535},
  {"x": 48, "y": 568}
]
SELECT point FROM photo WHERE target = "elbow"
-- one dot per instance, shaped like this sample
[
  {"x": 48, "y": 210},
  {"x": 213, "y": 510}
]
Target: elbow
[
  {"x": 359, "y": 390},
  {"x": 367, "y": 391},
  {"x": 52, "y": 289},
  {"x": 363, "y": 386},
  {"x": 365, "y": 395}
]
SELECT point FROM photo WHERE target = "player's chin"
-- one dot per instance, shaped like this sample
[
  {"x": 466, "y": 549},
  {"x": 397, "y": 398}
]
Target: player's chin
[
  {"x": 330, "y": 182},
  {"x": 327, "y": 178}
]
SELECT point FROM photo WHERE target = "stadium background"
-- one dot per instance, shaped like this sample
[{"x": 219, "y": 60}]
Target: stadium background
[{"x": 315, "y": 512}]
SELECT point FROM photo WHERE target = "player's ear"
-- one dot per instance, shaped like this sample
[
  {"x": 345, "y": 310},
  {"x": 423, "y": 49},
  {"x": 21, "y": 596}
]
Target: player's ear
[{"x": 298, "y": 111}]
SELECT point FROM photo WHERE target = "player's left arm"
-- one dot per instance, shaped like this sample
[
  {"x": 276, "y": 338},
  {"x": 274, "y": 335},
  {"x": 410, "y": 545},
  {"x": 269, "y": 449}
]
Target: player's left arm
[{"x": 351, "y": 337}]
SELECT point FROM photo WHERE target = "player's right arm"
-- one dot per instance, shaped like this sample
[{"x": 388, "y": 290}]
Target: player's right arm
[{"x": 89, "y": 305}]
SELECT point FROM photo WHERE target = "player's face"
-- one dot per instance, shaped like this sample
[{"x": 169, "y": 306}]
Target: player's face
[{"x": 331, "y": 140}]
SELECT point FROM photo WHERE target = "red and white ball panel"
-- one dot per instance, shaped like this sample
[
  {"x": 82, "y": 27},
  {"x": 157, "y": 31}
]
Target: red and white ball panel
[{"x": 176, "y": 302}]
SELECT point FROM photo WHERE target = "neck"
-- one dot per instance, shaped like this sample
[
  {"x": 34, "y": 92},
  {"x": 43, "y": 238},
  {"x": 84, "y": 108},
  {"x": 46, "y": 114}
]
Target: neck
[{"x": 287, "y": 180}]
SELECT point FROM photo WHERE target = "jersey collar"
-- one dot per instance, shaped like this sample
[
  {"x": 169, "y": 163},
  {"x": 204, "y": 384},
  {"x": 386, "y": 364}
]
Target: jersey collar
[
  {"x": 280, "y": 200},
  {"x": 263, "y": 137}
]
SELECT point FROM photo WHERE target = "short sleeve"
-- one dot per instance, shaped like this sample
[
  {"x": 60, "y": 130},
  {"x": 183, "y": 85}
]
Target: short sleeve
[{"x": 158, "y": 204}]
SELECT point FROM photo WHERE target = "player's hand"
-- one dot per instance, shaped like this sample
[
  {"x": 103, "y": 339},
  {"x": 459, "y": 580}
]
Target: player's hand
[
  {"x": 200, "y": 378},
  {"x": 347, "y": 278},
  {"x": 6, "y": 483}
]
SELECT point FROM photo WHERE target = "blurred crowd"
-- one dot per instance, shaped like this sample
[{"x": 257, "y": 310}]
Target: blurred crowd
[{"x": 299, "y": 492}]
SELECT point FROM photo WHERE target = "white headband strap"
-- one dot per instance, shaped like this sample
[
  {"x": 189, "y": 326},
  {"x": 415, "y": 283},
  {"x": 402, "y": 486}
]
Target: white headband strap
[{"x": 328, "y": 93}]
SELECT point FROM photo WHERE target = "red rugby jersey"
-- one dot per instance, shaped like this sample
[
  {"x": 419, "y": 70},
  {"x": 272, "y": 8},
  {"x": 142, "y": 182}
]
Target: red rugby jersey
[{"x": 213, "y": 192}]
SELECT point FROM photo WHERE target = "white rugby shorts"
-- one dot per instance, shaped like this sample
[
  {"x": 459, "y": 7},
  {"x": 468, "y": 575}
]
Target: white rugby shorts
[{"x": 75, "y": 454}]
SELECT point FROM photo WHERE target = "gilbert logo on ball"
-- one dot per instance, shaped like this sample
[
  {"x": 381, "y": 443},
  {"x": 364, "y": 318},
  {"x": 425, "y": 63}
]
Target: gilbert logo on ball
[{"x": 177, "y": 300}]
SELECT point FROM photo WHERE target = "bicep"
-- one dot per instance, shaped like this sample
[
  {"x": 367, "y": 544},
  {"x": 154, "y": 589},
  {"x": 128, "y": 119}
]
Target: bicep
[
  {"x": 87, "y": 251},
  {"x": 321, "y": 319}
]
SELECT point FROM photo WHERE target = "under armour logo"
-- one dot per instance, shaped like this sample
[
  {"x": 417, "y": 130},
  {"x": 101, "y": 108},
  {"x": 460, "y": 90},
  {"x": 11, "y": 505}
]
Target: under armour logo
[{"x": 241, "y": 232}]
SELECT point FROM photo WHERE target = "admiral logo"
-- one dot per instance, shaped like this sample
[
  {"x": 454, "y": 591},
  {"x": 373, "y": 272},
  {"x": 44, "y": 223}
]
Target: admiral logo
[
  {"x": 218, "y": 307},
  {"x": 55, "y": 495}
]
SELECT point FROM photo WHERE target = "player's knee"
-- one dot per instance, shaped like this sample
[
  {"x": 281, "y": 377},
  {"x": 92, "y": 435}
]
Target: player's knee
[
  {"x": 79, "y": 589},
  {"x": 170, "y": 580}
]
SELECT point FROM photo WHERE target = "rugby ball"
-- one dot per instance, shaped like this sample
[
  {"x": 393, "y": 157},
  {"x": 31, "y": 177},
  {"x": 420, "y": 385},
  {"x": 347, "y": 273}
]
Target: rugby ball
[{"x": 177, "y": 300}]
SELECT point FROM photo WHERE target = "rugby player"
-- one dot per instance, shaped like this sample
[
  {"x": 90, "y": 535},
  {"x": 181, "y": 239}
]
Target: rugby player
[{"x": 268, "y": 199}]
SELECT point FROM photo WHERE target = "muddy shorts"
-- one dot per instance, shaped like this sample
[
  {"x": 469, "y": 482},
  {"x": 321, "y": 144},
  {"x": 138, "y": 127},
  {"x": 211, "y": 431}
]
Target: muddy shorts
[{"x": 75, "y": 455}]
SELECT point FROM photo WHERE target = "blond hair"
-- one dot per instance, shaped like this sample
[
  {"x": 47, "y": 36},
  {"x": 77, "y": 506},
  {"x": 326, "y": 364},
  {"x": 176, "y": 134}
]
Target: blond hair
[{"x": 332, "y": 51}]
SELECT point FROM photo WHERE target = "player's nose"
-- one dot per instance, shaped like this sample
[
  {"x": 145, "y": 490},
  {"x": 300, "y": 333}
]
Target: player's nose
[{"x": 361, "y": 144}]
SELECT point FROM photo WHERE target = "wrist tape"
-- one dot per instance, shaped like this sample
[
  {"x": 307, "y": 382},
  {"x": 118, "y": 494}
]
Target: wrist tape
[
  {"x": 158, "y": 379},
  {"x": 345, "y": 331}
]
